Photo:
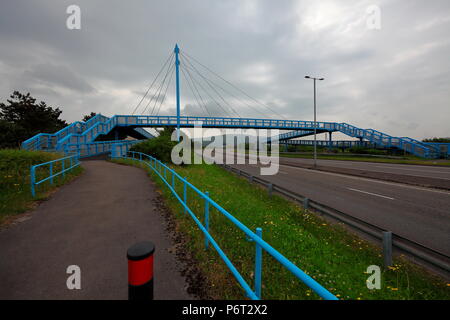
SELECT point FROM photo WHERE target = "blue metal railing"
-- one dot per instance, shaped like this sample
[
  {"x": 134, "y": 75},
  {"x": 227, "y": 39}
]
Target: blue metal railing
[
  {"x": 77, "y": 132},
  {"x": 162, "y": 171},
  {"x": 120, "y": 148},
  {"x": 97, "y": 147},
  {"x": 331, "y": 144},
  {"x": 48, "y": 141},
  {"x": 295, "y": 134},
  {"x": 87, "y": 132},
  {"x": 73, "y": 160},
  {"x": 441, "y": 148}
]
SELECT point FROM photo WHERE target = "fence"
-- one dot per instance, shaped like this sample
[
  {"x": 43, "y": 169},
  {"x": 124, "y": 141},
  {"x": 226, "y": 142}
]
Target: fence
[
  {"x": 163, "y": 171},
  {"x": 73, "y": 162},
  {"x": 414, "y": 249},
  {"x": 98, "y": 147}
]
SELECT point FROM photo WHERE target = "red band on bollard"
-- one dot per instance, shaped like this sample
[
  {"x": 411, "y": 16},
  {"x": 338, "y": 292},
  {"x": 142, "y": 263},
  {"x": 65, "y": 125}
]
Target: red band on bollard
[{"x": 140, "y": 271}]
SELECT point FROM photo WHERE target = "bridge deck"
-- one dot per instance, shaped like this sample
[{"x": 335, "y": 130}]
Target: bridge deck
[
  {"x": 80, "y": 134},
  {"x": 90, "y": 223}
]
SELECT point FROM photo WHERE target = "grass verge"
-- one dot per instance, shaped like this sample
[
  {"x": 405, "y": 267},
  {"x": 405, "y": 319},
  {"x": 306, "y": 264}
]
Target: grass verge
[
  {"x": 335, "y": 258},
  {"x": 15, "y": 192},
  {"x": 362, "y": 158}
]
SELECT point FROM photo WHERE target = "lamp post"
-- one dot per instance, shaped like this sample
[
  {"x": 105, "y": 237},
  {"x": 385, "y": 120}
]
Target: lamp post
[{"x": 315, "y": 122}]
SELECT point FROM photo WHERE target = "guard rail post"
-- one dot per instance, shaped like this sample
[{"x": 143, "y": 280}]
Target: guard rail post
[
  {"x": 33, "y": 181},
  {"x": 185, "y": 193},
  {"x": 269, "y": 189},
  {"x": 51, "y": 172},
  {"x": 306, "y": 203},
  {"x": 258, "y": 265},
  {"x": 387, "y": 248},
  {"x": 63, "y": 168},
  {"x": 206, "y": 218}
]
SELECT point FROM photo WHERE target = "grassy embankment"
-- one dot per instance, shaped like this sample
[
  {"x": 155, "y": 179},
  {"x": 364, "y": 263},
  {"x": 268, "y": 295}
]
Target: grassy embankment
[
  {"x": 336, "y": 259},
  {"x": 365, "y": 158},
  {"x": 15, "y": 194}
]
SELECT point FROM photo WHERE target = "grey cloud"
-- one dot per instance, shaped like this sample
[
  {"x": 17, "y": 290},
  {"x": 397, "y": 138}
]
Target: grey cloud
[
  {"x": 58, "y": 75},
  {"x": 399, "y": 73}
]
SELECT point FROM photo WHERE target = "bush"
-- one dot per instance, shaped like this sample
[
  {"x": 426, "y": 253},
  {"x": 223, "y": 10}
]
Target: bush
[
  {"x": 159, "y": 147},
  {"x": 362, "y": 150},
  {"x": 438, "y": 140}
]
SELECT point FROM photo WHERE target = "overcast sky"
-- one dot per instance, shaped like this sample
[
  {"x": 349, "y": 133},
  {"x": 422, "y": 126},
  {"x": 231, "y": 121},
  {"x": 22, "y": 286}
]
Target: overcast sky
[{"x": 395, "y": 79}]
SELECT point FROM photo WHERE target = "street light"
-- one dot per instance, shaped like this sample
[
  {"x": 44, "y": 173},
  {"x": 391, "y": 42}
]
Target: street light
[{"x": 315, "y": 123}]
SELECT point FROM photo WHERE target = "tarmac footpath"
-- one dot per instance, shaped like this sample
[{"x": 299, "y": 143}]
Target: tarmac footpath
[{"x": 90, "y": 223}]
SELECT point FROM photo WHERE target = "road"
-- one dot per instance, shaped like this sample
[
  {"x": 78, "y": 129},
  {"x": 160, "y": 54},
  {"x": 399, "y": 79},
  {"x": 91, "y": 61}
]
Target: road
[
  {"x": 419, "y": 214},
  {"x": 89, "y": 222},
  {"x": 403, "y": 169}
]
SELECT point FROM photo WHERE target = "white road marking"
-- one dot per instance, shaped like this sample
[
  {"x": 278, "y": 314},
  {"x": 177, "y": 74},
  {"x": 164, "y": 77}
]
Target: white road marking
[
  {"x": 372, "y": 167},
  {"x": 373, "y": 194},
  {"x": 400, "y": 185},
  {"x": 427, "y": 171}
]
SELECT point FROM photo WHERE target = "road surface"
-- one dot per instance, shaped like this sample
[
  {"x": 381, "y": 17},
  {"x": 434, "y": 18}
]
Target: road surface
[
  {"x": 403, "y": 169},
  {"x": 89, "y": 222},
  {"x": 419, "y": 214}
]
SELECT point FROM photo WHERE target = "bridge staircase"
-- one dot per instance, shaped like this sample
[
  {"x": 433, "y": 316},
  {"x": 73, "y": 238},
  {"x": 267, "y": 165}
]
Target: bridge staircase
[
  {"x": 80, "y": 136},
  {"x": 376, "y": 137}
]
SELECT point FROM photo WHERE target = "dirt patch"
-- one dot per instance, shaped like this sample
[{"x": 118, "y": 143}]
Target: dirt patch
[
  {"x": 13, "y": 220},
  {"x": 196, "y": 280}
]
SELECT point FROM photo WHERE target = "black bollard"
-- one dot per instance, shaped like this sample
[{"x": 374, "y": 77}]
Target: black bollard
[{"x": 140, "y": 271}]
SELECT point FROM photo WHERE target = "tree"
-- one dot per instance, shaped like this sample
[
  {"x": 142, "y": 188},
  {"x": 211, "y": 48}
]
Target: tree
[
  {"x": 440, "y": 140},
  {"x": 21, "y": 118},
  {"x": 89, "y": 116},
  {"x": 159, "y": 147},
  {"x": 166, "y": 131}
]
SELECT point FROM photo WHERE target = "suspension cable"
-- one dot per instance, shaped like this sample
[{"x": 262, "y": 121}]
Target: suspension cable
[
  {"x": 154, "y": 80},
  {"x": 198, "y": 92},
  {"x": 214, "y": 89},
  {"x": 157, "y": 91},
  {"x": 169, "y": 71},
  {"x": 165, "y": 92},
  {"x": 211, "y": 97},
  {"x": 231, "y": 84},
  {"x": 193, "y": 92},
  {"x": 238, "y": 99}
]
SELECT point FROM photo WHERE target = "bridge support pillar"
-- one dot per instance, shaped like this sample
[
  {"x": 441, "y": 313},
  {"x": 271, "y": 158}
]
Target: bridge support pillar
[
  {"x": 330, "y": 140},
  {"x": 177, "y": 80}
]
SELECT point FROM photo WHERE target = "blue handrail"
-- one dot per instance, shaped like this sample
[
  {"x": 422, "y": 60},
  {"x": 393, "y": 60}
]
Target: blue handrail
[
  {"x": 161, "y": 170},
  {"x": 74, "y": 162},
  {"x": 87, "y": 132},
  {"x": 97, "y": 147}
]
